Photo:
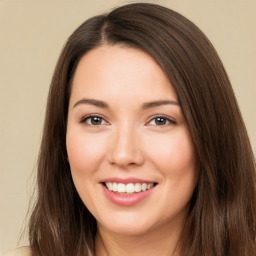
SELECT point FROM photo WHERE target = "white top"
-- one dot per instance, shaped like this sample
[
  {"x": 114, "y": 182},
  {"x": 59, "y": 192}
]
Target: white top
[{"x": 22, "y": 251}]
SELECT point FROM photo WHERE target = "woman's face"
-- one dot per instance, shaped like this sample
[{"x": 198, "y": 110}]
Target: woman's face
[{"x": 131, "y": 156}]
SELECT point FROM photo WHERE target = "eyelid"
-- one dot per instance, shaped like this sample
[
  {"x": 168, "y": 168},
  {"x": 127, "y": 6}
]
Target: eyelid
[
  {"x": 86, "y": 117},
  {"x": 169, "y": 119}
]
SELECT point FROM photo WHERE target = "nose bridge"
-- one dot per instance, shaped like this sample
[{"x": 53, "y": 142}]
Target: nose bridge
[{"x": 125, "y": 147}]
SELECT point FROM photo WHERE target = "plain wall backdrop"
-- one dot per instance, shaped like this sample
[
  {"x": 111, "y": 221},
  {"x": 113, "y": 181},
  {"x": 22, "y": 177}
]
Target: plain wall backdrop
[{"x": 32, "y": 34}]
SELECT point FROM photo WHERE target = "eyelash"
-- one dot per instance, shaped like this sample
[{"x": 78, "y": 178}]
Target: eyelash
[
  {"x": 90, "y": 117},
  {"x": 163, "y": 118}
]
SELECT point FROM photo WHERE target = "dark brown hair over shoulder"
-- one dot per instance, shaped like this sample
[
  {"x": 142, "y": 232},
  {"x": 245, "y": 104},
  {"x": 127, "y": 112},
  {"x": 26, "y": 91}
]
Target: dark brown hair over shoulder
[{"x": 222, "y": 217}]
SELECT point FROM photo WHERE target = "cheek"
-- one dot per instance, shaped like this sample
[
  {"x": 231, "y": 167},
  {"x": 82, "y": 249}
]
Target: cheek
[
  {"x": 173, "y": 155},
  {"x": 175, "y": 159},
  {"x": 85, "y": 152}
]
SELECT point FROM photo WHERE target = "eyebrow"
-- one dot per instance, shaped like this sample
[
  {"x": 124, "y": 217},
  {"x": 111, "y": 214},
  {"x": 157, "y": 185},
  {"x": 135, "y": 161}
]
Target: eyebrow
[
  {"x": 97, "y": 103},
  {"x": 159, "y": 103},
  {"x": 147, "y": 105}
]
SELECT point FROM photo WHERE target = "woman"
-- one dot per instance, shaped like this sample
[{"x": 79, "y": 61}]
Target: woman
[{"x": 144, "y": 150}]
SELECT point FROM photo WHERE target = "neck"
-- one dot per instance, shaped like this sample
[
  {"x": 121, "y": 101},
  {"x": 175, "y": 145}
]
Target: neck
[{"x": 164, "y": 242}]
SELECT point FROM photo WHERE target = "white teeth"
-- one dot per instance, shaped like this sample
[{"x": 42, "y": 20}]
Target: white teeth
[
  {"x": 150, "y": 185},
  {"x": 109, "y": 186},
  {"x": 121, "y": 188},
  {"x": 128, "y": 188},
  {"x": 137, "y": 187},
  {"x": 144, "y": 187},
  {"x": 114, "y": 187}
]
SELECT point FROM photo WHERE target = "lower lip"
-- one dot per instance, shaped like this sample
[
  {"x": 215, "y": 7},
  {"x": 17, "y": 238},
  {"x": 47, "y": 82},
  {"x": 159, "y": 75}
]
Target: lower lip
[{"x": 126, "y": 199}]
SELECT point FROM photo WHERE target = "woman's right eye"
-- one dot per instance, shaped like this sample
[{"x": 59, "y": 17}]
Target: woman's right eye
[{"x": 94, "y": 120}]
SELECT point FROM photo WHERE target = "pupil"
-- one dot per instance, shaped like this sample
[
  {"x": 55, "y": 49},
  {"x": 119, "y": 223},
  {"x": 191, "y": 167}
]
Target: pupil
[
  {"x": 160, "y": 121},
  {"x": 96, "y": 120}
]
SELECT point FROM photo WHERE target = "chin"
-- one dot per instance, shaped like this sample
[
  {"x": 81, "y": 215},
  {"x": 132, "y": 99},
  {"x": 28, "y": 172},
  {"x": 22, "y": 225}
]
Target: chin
[
  {"x": 128, "y": 225},
  {"x": 128, "y": 230}
]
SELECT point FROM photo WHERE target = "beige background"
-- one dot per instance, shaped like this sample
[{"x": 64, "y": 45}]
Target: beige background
[{"x": 32, "y": 34}]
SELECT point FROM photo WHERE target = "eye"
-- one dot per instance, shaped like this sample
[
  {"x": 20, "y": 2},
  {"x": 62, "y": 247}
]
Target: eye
[
  {"x": 160, "y": 121},
  {"x": 94, "y": 120}
]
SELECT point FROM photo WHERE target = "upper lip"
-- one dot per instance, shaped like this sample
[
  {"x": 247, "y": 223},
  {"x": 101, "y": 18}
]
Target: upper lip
[{"x": 126, "y": 180}]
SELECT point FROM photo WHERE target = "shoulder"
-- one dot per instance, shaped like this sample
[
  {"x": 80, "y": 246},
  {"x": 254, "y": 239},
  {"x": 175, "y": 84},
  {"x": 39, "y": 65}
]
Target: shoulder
[{"x": 22, "y": 251}]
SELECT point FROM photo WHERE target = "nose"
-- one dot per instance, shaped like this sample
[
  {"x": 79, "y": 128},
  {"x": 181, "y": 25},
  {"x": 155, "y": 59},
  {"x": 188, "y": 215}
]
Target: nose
[{"x": 125, "y": 148}]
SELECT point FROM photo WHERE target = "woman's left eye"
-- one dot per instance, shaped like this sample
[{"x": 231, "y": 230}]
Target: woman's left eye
[{"x": 160, "y": 121}]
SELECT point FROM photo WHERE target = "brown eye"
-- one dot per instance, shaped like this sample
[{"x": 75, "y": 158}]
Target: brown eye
[
  {"x": 161, "y": 121},
  {"x": 94, "y": 120}
]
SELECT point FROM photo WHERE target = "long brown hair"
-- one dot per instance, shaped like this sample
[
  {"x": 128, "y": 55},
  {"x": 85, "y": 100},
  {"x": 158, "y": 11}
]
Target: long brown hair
[{"x": 222, "y": 214}]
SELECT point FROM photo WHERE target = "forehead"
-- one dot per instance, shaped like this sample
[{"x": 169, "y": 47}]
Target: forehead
[{"x": 120, "y": 71}]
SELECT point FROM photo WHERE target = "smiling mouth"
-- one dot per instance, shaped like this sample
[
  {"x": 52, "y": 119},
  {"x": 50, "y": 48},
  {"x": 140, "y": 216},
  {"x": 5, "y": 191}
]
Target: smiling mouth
[{"x": 130, "y": 188}]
